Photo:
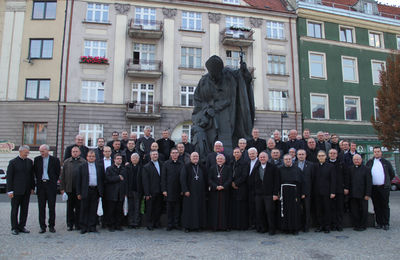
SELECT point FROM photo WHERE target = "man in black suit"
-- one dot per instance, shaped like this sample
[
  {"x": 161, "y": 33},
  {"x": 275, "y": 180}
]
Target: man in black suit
[
  {"x": 135, "y": 190},
  {"x": 144, "y": 143},
  {"x": 152, "y": 190},
  {"x": 117, "y": 149},
  {"x": 78, "y": 142},
  {"x": 115, "y": 192},
  {"x": 171, "y": 188},
  {"x": 165, "y": 144},
  {"x": 281, "y": 145},
  {"x": 99, "y": 149},
  {"x": 259, "y": 143},
  {"x": 114, "y": 137},
  {"x": 293, "y": 142},
  {"x": 20, "y": 185},
  {"x": 47, "y": 173},
  {"x": 89, "y": 187},
  {"x": 218, "y": 149},
  {"x": 189, "y": 148},
  {"x": 251, "y": 198}
]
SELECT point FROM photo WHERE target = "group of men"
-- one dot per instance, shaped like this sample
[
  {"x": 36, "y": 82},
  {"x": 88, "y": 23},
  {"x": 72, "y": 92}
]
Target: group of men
[{"x": 264, "y": 185}]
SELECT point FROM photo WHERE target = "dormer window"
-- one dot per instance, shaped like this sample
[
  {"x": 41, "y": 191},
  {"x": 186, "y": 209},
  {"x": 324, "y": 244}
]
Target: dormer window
[{"x": 368, "y": 8}]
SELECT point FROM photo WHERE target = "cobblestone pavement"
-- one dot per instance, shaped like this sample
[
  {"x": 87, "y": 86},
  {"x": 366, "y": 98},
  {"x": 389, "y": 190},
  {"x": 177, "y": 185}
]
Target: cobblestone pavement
[{"x": 160, "y": 244}]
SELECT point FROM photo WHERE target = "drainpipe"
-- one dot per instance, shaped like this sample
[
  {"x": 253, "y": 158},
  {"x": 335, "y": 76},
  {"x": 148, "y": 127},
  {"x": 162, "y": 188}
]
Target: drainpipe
[{"x": 293, "y": 78}]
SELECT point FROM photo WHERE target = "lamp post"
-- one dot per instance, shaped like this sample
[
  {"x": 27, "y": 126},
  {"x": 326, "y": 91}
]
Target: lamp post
[{"x": 283, "y": 115}]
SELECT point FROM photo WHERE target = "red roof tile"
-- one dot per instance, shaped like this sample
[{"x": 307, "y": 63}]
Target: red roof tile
[
  {"x": 385, "y": 10},
  {"x": 272, "y": 5}
]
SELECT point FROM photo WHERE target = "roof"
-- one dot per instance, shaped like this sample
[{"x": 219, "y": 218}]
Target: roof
[{"x": 271, "y": 5}]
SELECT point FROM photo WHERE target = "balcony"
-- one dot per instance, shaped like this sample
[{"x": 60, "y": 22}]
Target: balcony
[
  {"x": 143, "y": 110},
  {"x": 237, "y": 37},
  {"x": 144, "y": 68},
  {"x": 144, "y": 29}
]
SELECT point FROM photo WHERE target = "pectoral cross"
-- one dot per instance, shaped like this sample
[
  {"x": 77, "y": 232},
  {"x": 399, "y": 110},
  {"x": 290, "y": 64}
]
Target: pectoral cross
[{"x": 196, "y": 178}]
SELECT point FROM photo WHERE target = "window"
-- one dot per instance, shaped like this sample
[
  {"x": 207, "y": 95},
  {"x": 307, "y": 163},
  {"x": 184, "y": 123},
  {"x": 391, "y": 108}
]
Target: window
[
  {"x": 314, "y": 29},
  {"x": 145, "y": 17},
  {"x": 352, "y": 108},
  {"x": 275, "y": 30},
  {"x": 376, "y": 109},
  {"x": 95, "y": 48},
  {"x": 191, "y": 21},
  {"x": 398, "y": 42},
  {"x": 376, "y": 69},
  {"x": 144, "y": 54},
  {"x": 233, "y": 59},
  {"x": 368, "y": 8},
  {"x": 97, "y": 13},
  {"x": 278, "y": 100},
  {"x": 139, "y": 130},
  {"x": 317, "y": 65},
  {"x": 92, "y": 91},
  {"x": 37, "y": 89},
  {"x": 233, "y": 21},
  {"x": 41, "y": 49},
  {"x": 187, "y": 129},
  {"x": 190, "y": 57},
  {"x": 346, "y": 34},
  {"x": 44, "y": 10},
  {"x": 375, "y": 40},
  {"x": 234, "y": 2},
  {"x": 349, "y": 69},
  {"x": 90, "y": 133},
  {"x": 187, "y": 96},
  {"x": 34, "y": 133},
  {"x": 319, "y": 106},
  {"x": 143, "y": 97},
  {"x": 277, "y": 64}
]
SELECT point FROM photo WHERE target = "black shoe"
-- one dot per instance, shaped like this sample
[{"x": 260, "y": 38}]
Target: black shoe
[
  {"x": 378, "y": 226},
  {"x": 77, "y": 228},
  {"x": 356, "y": 229},
  {"x": 70, "y": 228},
  {"x": 119, "y": 228},
  {"x": 326, "y": 231},
  {"x": 169, "y": 228},
  {"x": 52, "y": 230},
  {"x": 187, "y": 230},
  {"x": 362, "y": 229},
  {"x": 271, "y": 233},
  {"x": 24, "y": 230},
  {"x": 14, "y": 232},
  {"x": 83, "y": 231},
  {"x": 111, "y": 229},
  {"x": 131, "y": 226},
  {"x": 318, "y": 229},
  {"x": 149, "y": 228},
  {"x": 93, "y": 230},
  {"x": 386, "y": 227},
  {"x": 340, "y": 229},
  {"x": 42, "y": 230}
]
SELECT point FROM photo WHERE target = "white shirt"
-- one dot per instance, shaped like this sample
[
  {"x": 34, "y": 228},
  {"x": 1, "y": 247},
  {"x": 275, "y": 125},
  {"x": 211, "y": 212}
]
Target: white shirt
[
  {"x": 107, "y": 163},
  {"x": 157, "y": 166},
  {"x": 263, "y": 166},
  {"x": 92, "y": 174},
  {"x": 252, "y": 163},
  {"x": 378, "y": 175}
]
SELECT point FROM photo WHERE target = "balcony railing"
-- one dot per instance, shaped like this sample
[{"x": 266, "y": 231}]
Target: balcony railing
[
  {"x": 143, "y": 109},
  {"x": 239, "y": 38},
  {"x": 147, "y": 29},
  {"x": 144, "y": 68}
]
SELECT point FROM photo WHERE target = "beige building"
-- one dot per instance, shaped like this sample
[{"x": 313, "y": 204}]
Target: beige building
[
  {"x": 30, "y": 65},
  {"x": 155, "y": 54}
]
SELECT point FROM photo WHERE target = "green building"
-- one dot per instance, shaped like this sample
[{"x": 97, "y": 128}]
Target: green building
[{"x": 342, "y": 46}]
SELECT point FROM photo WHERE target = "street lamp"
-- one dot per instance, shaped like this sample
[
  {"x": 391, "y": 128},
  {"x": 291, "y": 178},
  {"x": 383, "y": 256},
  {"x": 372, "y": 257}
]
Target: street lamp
[{"x": 283, "y": 115}]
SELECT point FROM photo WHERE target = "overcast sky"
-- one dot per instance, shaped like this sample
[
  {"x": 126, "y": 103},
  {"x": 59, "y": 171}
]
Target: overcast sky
[{"x": 390, "y": 2}]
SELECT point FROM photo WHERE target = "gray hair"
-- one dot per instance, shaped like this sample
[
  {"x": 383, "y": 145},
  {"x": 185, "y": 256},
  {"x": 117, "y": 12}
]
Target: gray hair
[
  {"x": 23, "y": 148},
  {"x": 220, "y": 155},
  {"x": 151, "y": 152},
  {"x": 292, "y": 149},
  {"x": 252, "y": 149},
  {"x": 243, "y": 140},
  {"x": 135, "y": 155},
  {"x": 218, "y": 142},
  {"x": 147, "y": 127},
  {"x": 45, "y": 146}
]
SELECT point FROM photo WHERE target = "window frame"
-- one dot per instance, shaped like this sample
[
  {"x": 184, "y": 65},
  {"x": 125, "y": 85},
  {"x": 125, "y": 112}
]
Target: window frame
[
  {"x": 44, "y": 10},
  {"x": 353, "y": 33},
  {"x": 187, "y": 95},
  {"x": 230, "y": 60},
  {"x": 92, "y": 84},
  {"x": 358, "y": 107},
  {"x": 398, "y": 41},
  {"x": 94, "y": 13},
  {"x": 375, "y": 99},
  {"x": 356, "y": 76},
  {"x": 280, "y": 65},
  {"x": 37, "y": 89},
  {"x": 378, "y": 83},
  {"x": 326, "y": 105},
  {"x": 271, "y": 22},
  {"x": 99, "y": 48},
  {"x": 381, "y": 38},
  {"x": 150, "y": 23},
  {"x": 322, "y": 24},
  {"x": 196, "y": 21},
  {"x": 85, "y": 133},
  {"x": 325, "y": 72},
  {"x": 41, "y": 48},
  {"x": 138, "y": 130},
  {"x": 280, "y": 100},
  {"x": 187, "y": 57},
  {"x": 35, "y": 144},
  {"x": 231, "y": 2}
]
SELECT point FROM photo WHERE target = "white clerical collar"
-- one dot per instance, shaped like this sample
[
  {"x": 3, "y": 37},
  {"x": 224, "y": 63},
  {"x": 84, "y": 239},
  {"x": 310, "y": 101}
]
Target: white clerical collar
[
  {"x": 333, "y": 160},
  {"x": 107, "y": 159},
  {"x": 255, "y": 160},
  {"x": 377, "y": 159},
  {"x": 263, "y": 165}
]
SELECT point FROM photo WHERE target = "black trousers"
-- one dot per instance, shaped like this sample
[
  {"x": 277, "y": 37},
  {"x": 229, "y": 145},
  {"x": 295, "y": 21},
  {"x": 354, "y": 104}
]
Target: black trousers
[
  {"x": 73, "y": 210},
  {"x": 47, "y": 193},
  {"x": 88, "y": 212},
  {"x": 359, "y": 212},
  {"x": 265, "y": 213},
  {"x": 380, "y": 200},
  {"x": 306, "y": 212},
  {"x": 134, "y": 209},
  {"x": 337, "y": 210},
  {"x": 114, "y": 213},
  {"x": 252, "y": 208},
  {"x": 153, "y": 210},
  {"x": 323, "y": 208},
  {"x": 173, "y": 213},
  {"x": 19, "y": 203}
]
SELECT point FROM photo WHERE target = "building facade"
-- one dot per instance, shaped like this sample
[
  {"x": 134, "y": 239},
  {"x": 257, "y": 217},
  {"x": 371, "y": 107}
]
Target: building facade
[
  {"x": 343, "y": 44},
  {"x": 136, "y": 63}
]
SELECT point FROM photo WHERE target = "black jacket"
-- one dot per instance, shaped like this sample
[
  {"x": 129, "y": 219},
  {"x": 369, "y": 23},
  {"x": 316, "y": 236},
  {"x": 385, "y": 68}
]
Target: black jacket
[
  {"x": 170, "y": 179},
  {"x": 360, "y": 181},
  {"x": 82, "y": 180},
  {"x": 213, "y": 180},
  {"x": 312, "y": 155},
  {"x": 165, "y": 146},
  {"x": 340, "y": 176},
  {"x": 296, "y": 144},
  {"x": 20, "y": 178},
  {"x": 211, "y": 159},
  {"x": 84, "y": 151},
  {"x": 240, "y": 173},
  {"x": 387, "y": 168},
  {"x": 189, "y": 148},
  {"x": 281, "y": 146},
  {"x": 53, "y": 170},
  {"x": 260, "y": 144},
  {"x": 134, "y": 175},
  {"x": 99, "y": 154},
  {"x": 308, "y": 173},
  {"x": 151, "y": 180},
  {"x": 114, "y": 188},
  {"x": 270, "y": 184},
  {"x": 324, "y": 181}
]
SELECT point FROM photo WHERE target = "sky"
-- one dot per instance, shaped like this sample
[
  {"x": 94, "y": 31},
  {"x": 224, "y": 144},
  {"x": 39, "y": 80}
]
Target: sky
[{"x": 390, "y": 2}]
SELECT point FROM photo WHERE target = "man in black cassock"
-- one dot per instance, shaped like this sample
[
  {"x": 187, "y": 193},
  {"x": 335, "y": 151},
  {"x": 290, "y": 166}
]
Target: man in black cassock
[
  {"x": 135, "y": 190},
  {"x": 171, "y": 188},
  {"x": 220, "y": 181},
  {"x": 239, "y": 192},
  {"x": 194, "y": 186},
  {"x": 165, "y": 144},
  {"x": 291, "y": 191},
  {"x": 259, "y": 143},
  {"x": 143, "y": 144}
]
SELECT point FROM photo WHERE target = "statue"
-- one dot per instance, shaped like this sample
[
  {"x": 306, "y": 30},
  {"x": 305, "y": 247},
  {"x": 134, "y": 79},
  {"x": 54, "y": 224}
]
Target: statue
[{"x": 223, "y": 106}]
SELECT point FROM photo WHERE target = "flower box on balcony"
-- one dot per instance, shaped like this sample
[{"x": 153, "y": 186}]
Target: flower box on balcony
[
  {"x": 93, "y": 60},
  {"x": 237, "y": 28}
]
